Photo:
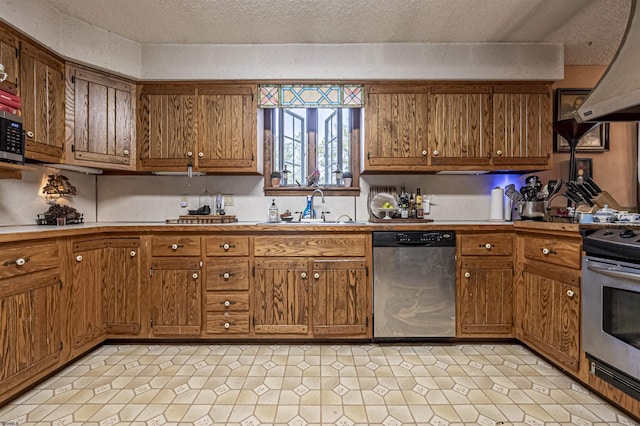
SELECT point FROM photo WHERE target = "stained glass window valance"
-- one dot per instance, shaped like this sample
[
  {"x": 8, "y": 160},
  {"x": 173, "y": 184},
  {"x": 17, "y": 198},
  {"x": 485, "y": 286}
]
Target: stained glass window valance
[{"x": 308, "y": 96}]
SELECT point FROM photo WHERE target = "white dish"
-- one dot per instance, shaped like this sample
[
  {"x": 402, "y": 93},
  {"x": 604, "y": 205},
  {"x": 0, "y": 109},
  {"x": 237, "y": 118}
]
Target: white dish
[{"x": 379, "y": 200}]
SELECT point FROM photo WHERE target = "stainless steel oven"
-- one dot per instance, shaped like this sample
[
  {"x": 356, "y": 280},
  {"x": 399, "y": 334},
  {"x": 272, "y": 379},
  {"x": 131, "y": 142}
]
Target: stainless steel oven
[{"x": 611, "y": 306}]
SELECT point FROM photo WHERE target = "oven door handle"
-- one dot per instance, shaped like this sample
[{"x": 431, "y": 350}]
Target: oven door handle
[{"x": 615, "y": 274}]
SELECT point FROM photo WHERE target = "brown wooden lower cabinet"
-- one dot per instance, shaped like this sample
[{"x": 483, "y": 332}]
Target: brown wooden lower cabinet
[{"x": 121, "y": 286}]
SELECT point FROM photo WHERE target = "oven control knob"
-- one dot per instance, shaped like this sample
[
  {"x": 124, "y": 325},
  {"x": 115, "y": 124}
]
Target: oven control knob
[{"x": 627, "y": 233}]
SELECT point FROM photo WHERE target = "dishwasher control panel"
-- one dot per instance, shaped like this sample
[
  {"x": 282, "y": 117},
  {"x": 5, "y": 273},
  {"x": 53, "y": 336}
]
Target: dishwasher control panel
[{"x": 423, "y": 238}]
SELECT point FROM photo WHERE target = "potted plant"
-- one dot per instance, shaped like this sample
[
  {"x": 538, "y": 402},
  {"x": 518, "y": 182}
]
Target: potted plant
[
  {"x": 347, "y": 178},
  {"x": 275, "y": 178}
]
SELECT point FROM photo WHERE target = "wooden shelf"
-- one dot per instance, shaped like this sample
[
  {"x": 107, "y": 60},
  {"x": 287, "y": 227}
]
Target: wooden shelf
[{"x": 13, "y": 171}]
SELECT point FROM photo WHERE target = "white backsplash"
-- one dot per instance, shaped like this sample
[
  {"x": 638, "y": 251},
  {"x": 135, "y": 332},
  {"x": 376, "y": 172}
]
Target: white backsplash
[{"x": 157, "y": 198}]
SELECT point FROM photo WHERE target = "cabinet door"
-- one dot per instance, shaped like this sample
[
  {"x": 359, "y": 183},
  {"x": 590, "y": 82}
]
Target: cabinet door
[
  {"x": 551, "y": 317},
  {"x": 227, "y": 138},
  {"x": 340, "y": 298},
  {"x": 485, "y": 297},
  {"x": 100, "y": 117},
  {"x": 281, "y": 296},
  {"x": 460, "y": 125},
  {"x": 9, "y": 57},
  {"x": 86, "y": 315},
  {"x": 176, "y": 297},
  {"x": 121, "y": 286},
  {"x": 522, "y": 133},
  {"x": 42, "y": 92},
  {"x": 30, "y": 327},
  {"x": 395, "y": 136},
  {"x": 165, "y": 128}
]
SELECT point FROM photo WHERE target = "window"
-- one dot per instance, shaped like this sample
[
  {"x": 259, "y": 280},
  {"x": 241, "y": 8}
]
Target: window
[
  {"x": 306, "y": 139},
  {"x": 310, "y": 128}
]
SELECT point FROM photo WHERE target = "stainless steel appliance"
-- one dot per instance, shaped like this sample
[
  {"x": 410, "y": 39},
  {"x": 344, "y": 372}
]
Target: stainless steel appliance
[
  {"x": 413, "y": 285},
  {"x": 11, "y": 138},
  {"x": 610, "y": 306}
]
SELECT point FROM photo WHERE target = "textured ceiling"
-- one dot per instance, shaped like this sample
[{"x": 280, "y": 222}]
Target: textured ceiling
[{"x": 591, "y": 30}]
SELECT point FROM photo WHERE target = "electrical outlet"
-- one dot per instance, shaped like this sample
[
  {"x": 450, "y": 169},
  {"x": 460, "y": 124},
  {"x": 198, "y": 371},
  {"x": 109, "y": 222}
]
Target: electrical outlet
[
  {"x": 228, "y": 200},
  {"x": 184, "y": 202}
]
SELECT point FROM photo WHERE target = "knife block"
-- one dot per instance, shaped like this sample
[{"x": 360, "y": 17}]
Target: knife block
[{"x": 605, "y": 198}]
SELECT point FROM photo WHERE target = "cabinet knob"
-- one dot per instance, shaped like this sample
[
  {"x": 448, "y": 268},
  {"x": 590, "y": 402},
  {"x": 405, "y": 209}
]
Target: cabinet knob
[
  {"x": 78, "y": 258},
  {"x": 226, "y": 246},
  {"x": 303, "y": 275},
  {"x": 424, "y": 153},
  {"x": 467, "y": 275},
  {"x": 316, "y": 275},
  {"x": 29, "y": 134},
  {"x": 488, "y": 246},
  {"x": 570, "y": 293},
  {"x": 175, "y": 246},
  {"x": 226, "y": 275},
  {"x": 132, "y": 253},
  {"x": 125, "y": 152},
  {"x": 227, "y": 325},
  {"x": 436, "y": 153},
  {"x": 195, "y": 276},
  {"x": 547, "y": 251},
  {"x": 17, "y": 262},
  {"x": 227, "y": 303},
  {"x": 20, "y": 262},
  {"x": 189, "y": 154},
  {"x": 201, "y": 154},
  {"x": 499, "y": 152}
]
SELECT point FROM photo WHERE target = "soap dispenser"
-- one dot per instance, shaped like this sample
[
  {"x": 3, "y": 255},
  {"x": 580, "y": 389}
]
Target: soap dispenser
[
  {"x": 273, "y": 212},
  {"x": 308, "y": 212}
]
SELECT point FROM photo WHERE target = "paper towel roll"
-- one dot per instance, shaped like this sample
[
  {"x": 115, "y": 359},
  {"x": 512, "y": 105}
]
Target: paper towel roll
[{"x": 496, "y": 212}]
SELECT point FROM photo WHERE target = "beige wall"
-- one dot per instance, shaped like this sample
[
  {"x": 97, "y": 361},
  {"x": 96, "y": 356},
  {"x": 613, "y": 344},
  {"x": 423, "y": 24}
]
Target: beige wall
[{"x": 615, "y": 171}]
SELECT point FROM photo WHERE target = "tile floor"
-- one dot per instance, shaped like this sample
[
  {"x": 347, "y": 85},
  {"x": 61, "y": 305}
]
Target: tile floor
[{"x": 311, "y": 384}]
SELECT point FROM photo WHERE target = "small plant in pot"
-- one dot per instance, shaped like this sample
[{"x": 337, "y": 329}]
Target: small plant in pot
[
  {"x": 347, "y": 178},
  {"x": 275, "y": 178}
]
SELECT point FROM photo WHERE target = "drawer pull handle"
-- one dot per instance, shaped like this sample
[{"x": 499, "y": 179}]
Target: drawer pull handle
[
  {"x": 570, "y": 293},
  {"x": 228, "y": 303},
  {"x": 227, "y": 275},
  {"x": 467, "y": 275},
  {"x": 175, "y": 246},
  {"x": 132, "y": 253},
  {"x": 303, "y": 275},
  {"x": 487, "y": 246},
  {"x": 17, "y": 262},
  {"x": 316, "y": 275},
  {"x": 547, "y": 251},
  {"x": 195, "y": 276},
  {"x": 78, "y": 258},
  {"x": 227, "y": 325},
  {"x": 227, "y": 246}
]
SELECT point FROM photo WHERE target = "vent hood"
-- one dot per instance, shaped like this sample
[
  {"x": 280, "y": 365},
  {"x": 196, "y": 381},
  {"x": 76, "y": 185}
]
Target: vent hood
[{"x": 616, "y": 97}]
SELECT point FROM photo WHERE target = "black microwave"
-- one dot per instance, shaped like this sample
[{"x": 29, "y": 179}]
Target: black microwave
[{"x": 11, "y": 138}]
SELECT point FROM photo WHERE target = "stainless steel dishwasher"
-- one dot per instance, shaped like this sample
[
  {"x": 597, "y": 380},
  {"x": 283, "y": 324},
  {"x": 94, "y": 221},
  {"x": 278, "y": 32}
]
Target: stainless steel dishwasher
[{"x": 414, "y": 281}]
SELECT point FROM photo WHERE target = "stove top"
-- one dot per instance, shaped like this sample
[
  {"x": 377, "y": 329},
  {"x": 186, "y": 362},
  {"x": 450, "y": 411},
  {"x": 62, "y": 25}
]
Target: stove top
[{"x": 622, "y": 243}]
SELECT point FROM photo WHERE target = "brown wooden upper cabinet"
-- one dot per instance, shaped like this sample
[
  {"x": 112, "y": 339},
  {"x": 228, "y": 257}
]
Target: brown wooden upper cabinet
[
  {"x": 429, "y": 127},
  {"x": 212, "y": 127},
  {"x": 9, "y": 48},
  {"x": 522, "y": 125},
  {"x": 41, "y": 87},
  {"x": 100, "y": 120},
  {"x": 395, "y": 128}
]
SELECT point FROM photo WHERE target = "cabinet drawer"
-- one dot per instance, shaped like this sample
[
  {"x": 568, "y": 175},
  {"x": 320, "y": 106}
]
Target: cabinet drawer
[
  {"x": 486, "y": 245},
  {"x": 228, "y": 302},
  {"x": 24, "y": 258},
  {"x": 227, "y": 274},
  {"x": 175, "y": 245},
  {"x": 343, "y": 245},
  {"x": 552, "y": 250},
  {"x": 227, "y": 323},
  {"x": 223, "y": 245}
]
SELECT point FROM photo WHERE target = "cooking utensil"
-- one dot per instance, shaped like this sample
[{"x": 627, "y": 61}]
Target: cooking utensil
[{"x": 554, "y": 188}]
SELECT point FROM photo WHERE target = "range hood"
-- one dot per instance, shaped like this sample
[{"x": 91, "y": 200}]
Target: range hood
[{"x": 616, "y": 97}]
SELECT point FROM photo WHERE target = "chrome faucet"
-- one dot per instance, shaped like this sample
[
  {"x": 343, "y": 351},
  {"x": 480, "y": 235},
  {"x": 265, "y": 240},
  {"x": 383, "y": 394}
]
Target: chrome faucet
[{"x": 312, "y": 199}]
